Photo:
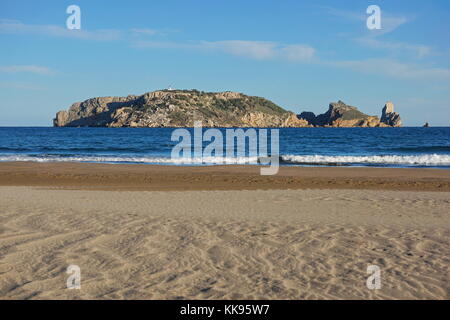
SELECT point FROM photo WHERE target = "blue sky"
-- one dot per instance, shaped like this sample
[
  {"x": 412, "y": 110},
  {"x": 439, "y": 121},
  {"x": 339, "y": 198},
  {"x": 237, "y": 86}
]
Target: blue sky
[{"x": 299, "y": 54}]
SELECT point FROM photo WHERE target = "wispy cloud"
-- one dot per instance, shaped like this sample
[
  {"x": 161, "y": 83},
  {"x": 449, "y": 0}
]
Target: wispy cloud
[
  {"x": 345, "y": 14},
  {"x": 261, "y": 50},
  {"x": 145, "y": 31},
  {"x": 257, "y": 50},
  {"x": 8, "y": 26},
  {"x": 389, "y": 22},
  {"x": 21, "y": 86},
  {"x": 419, "y": 51},
  {"x": 151, "y": 32},
  {"x": 393, "y": 68},
  {"x": 17, "y": 27},
  {"x": 27, "y": 69},
  {"x": 297, "y": 52}
]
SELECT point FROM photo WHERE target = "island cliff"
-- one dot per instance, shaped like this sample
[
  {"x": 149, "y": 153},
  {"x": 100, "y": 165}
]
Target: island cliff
[{"x": 180, "y": 108}]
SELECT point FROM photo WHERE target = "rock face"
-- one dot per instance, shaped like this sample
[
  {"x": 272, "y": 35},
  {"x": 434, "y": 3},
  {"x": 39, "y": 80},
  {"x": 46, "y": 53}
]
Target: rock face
[
  {"x": 389, "y": 117},
  {"x": 340, "y": 114},
  {"x": 308, "y": 116},
  {"x": 178, "y": 108}
]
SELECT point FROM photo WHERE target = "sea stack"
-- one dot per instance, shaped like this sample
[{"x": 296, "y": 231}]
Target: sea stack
[{"x": 389, "y": 117}]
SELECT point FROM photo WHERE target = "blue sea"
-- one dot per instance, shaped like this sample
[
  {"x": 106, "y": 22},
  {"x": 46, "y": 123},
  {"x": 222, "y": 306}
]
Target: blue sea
[{"x": 380, "y": 147}]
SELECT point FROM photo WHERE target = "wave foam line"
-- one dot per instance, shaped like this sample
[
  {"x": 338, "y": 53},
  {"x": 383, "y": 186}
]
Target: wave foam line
[
  {"x": 425, "y": 159},
  {"x": 112, "y": 159}
]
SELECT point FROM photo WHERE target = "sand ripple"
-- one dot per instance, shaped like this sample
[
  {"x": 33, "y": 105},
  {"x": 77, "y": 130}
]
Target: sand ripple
[{"x": 291, "y": 244}]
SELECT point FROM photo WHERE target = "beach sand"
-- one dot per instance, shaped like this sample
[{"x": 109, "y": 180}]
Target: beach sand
[
  {"x": 177, "y": 178},
  {"x": 155, "y": 232}
]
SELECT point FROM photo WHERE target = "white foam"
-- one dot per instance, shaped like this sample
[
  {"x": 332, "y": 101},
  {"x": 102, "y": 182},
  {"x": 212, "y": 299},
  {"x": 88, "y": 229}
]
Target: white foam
[
  {"x": 113, "y": 159},
  {"x": 425, "y": 159}
]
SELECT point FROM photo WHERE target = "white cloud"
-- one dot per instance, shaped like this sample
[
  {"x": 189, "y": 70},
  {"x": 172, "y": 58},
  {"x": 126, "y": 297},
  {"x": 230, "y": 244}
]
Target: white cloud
[
  {"x": 8, "y": 26},
  {"x": 298, "y": 52},
  {"x": 394, "y": 69},
  {"x": 387, "y": 66},
  {"x": 345, "y": 14},
  {"x": 419, "y": 51},
  {"x": 257, "y": 50},
  {"x": 389, "y": 22},
  {"x": 151, "y": 32},
  {"x": 260, "y": 50},
  {"x": 17, "y": 27},
  {"x": 21, "y": 86},
  {"x": 26, "y": 69},
  {"x": 145, "y": 31}
]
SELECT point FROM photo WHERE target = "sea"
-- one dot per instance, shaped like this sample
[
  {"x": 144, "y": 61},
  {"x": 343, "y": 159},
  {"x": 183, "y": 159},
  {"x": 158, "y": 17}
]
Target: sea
[{"x": 375, "y": 147}]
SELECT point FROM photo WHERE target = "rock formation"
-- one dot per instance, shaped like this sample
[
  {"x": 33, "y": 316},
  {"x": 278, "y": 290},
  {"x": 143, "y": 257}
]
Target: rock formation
[
  {"x": 178, "y": 108},
  {"x": 340, "y": 114},
  {"x": 308, "y": 116},
  {"x": 389, "y": 117}
]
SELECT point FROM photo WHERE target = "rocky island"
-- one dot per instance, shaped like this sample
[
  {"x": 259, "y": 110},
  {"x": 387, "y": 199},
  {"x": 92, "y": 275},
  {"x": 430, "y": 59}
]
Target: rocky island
[
  {"x": 341, "y": 115},
  {"x": 179, "y": 108}
]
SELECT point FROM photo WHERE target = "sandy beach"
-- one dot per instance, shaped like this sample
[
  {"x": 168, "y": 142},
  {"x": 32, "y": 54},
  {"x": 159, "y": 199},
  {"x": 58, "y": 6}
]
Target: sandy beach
[
  {"x": 224, "y": 232},
  {"x": 134, "y": 177}
]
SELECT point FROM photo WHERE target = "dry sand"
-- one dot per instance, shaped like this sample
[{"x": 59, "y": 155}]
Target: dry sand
[{"x": 303, "y": 242}]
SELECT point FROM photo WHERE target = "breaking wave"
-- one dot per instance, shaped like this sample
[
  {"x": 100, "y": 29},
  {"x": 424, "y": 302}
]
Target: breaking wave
[
  {"x": 129, "y": 159},
  {"x": 414, "y": 160},
  {"x": 332, "y": 160}
]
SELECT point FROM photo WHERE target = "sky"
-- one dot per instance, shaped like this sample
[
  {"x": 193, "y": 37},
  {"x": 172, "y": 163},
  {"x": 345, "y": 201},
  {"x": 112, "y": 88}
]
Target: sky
[{"x": 302, "y": 55}]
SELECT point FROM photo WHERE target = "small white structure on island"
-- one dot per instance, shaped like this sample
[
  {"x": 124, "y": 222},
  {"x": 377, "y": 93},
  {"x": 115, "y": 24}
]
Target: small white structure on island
[{"x": 170, "y": 88}]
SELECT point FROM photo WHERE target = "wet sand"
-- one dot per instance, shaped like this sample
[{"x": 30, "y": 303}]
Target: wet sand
[{"x": 173, "y": 178}]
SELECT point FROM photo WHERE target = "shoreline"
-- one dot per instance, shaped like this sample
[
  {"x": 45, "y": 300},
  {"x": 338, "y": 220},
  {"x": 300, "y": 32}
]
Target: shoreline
[{"x": 146, "y": 177}]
